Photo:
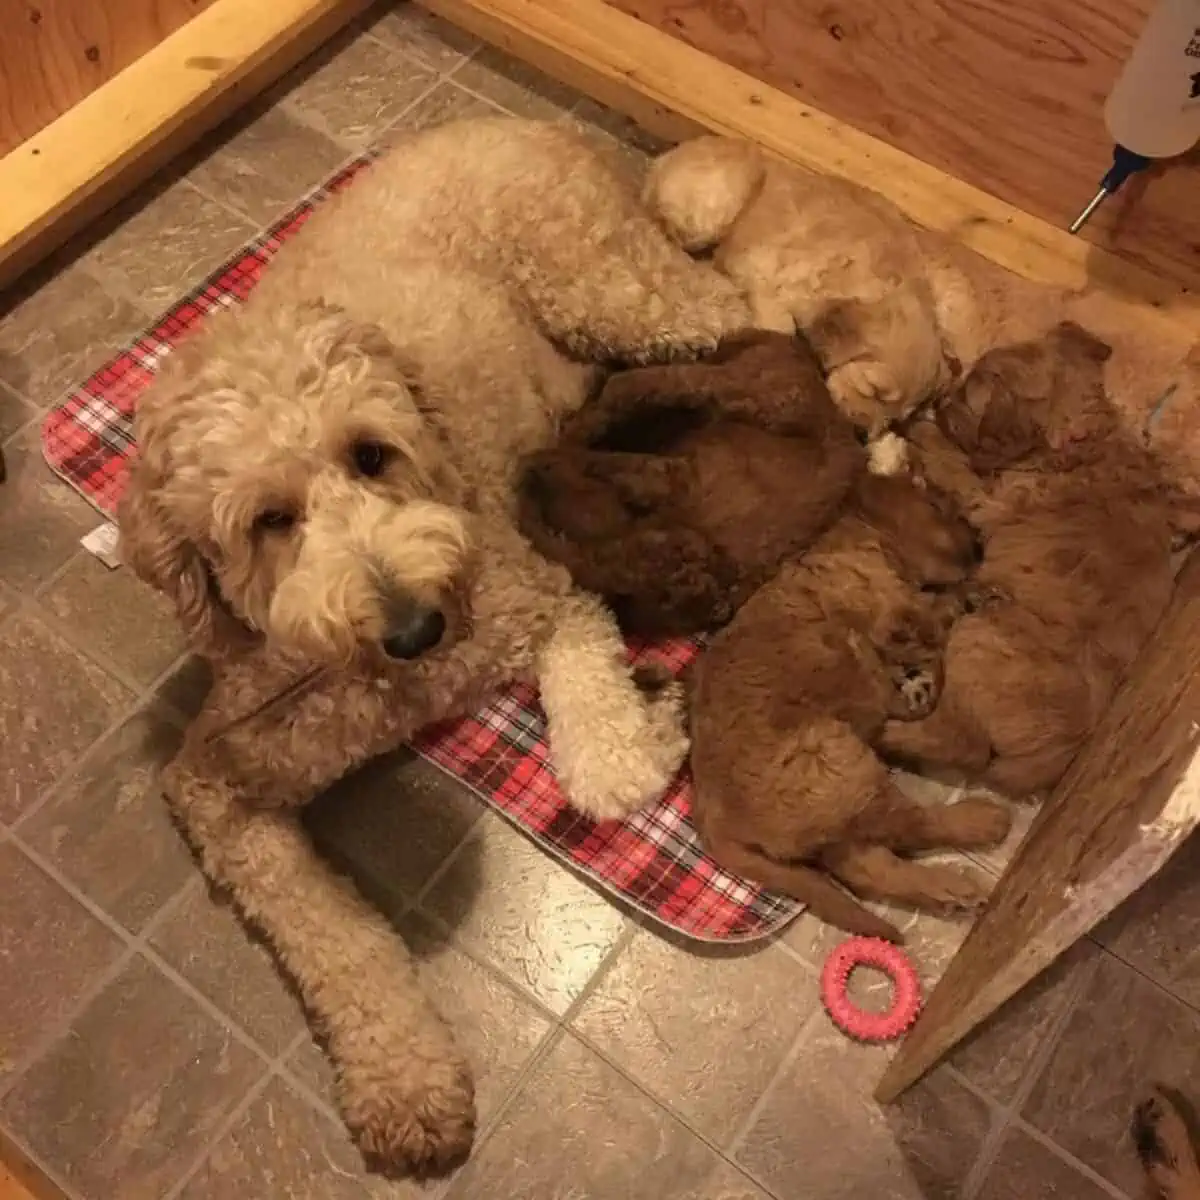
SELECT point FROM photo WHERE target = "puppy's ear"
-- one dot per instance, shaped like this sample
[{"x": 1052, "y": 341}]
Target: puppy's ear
[
  {"x": 339, "y": 341},
  {"x": 1075, "y": 339},
  {"x": 836, "y": 333},
  {"x": 159, "y": 555}
]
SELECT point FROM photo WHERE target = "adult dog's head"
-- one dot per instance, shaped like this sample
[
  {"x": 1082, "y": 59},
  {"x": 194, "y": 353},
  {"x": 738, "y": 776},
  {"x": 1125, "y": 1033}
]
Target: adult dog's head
[
  {"x": 1038, "y": 400},
  {"x": 293, "y": 481}
]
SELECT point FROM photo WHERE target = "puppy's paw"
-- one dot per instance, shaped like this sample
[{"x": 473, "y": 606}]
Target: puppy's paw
[
  {"x": 918, "y": 692},
  {"x": 979, "y": 823},
  {"x": 409, "y": 1117},
  {"x": 958, "y": 891}
]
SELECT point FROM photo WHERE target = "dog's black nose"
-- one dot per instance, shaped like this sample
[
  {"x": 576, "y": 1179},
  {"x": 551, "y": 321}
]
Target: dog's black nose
[{"x": 412, "y": 631}]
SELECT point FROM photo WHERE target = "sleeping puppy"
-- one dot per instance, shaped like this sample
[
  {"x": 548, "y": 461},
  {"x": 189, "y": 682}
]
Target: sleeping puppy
[
  {"x": 1077, "y": 528},
  {"x": 681, "y": 489},
  {"x": 786, "y": 701}
]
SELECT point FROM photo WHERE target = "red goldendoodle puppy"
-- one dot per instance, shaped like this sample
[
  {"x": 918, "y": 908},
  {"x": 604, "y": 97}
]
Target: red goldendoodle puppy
[
  {"x": 681, "y": 489},
  {"x": 1077, "y": 527},
  {"x": 786, "y": 701}
]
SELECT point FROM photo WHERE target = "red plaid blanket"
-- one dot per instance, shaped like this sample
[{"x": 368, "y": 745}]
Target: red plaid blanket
[{"x": 653, "y": 861}]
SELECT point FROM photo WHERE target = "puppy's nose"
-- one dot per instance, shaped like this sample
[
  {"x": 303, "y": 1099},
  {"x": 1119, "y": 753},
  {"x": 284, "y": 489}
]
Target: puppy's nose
[{"x": 412, "y": 629}]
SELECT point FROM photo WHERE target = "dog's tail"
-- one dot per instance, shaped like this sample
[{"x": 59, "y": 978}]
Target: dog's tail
[
  {"x": 1163, "y": 1143},
  {"x": 699, "y": 189}
]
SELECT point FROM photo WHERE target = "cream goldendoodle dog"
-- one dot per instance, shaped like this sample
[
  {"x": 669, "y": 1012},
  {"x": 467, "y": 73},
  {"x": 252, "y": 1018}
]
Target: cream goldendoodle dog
[
  {"x": 325, "y": 490},
  {"x": 893, "y": 310}
]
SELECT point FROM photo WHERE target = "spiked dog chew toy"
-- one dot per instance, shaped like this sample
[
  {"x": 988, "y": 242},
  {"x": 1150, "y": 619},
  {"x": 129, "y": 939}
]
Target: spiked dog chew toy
[{"x": 894, "y": 963}]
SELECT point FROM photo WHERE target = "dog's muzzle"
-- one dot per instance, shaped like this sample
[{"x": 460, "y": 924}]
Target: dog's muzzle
[{"x": 412, "y": 629}]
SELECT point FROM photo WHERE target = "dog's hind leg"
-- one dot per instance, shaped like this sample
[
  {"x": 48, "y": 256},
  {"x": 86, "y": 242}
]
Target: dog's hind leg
[
  {"x": 1164, "y": 1146},
  {"x": 403, "y": 1086},
  {"x": 945, "y": 739},
  {"x": 823, "y": 897},
  {"x": 971, "y": 824},
  {"x": 875, "y": 873}
]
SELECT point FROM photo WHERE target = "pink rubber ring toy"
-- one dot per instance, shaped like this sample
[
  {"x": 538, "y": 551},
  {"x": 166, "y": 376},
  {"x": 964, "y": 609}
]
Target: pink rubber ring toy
[{"x": 894, "y": 963}]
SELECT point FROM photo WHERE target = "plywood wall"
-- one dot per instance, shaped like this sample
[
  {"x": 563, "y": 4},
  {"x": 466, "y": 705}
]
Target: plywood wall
[
  {"x": 1005, "y": 94},
  {"x": 55, "y": 52}
]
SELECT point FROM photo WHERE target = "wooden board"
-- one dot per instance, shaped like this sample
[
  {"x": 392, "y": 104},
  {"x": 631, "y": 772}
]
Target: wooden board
[
  {"x": 53, "y": 53},
  {"x": 83, "y": 162},
  {"x": 673, "y": 89},
  {"x": 1006, "y": 95},
  {"x": 20, "y": 1179},
  {"x": 1127, "y": 803}
]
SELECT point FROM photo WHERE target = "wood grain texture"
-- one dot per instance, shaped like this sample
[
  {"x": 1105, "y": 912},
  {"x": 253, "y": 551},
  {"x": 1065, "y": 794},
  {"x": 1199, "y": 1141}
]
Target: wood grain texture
[
  {"x": 20, "y": 1179},
  {"x": 675, "y": 90},
  {"x": 53, "y": 53},
  {"x": 116, "y": 137},
  {"x": 1004, "y": 94},
  {"x": 1127, "y": 803}
]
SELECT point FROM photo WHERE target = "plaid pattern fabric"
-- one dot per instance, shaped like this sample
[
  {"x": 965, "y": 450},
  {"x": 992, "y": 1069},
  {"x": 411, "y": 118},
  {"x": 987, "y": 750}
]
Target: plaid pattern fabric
[{"x": 652, "y": 861}]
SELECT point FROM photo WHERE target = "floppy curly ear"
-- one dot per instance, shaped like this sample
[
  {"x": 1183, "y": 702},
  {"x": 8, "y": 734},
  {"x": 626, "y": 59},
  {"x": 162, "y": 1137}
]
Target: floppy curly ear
[
  {"x": 1072, "y": 336},
  {"x": 159, "y": 555}
]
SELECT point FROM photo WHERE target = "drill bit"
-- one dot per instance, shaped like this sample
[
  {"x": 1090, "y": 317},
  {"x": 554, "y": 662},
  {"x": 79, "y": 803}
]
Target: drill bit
[{"x": 1124, "y": 163}]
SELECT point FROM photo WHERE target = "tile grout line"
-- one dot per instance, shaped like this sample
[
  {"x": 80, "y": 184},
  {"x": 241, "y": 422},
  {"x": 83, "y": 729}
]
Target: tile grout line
[
  {"x": 786, "y": 1062},
  {"x": 545, "y": 1047},
  {"x": 138, "y": 944},
  {"x": 1009, "y": 1113},
  {"x": 721, "y": 1152},
  {"x": 220, "y": 1130},
  {"x": 40, "y": 1164},
  {"x": 602, "y": 970},
  {"x": 141, "y": 703},
  {"x": 36, "y": 605},
  {"x": 1064, "y": 1155},
  {"x": 50, "y": 1035}
]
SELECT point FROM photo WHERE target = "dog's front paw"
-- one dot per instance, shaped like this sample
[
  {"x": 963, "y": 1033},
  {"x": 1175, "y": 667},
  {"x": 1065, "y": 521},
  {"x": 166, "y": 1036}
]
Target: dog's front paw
[
  {"x": 411, "y": 1117},
  {"x": 611, "y": 780}
]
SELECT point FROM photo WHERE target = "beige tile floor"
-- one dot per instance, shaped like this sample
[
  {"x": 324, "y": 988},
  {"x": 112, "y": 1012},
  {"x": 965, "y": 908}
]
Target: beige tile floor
[{"x": 148, "y": 1050}]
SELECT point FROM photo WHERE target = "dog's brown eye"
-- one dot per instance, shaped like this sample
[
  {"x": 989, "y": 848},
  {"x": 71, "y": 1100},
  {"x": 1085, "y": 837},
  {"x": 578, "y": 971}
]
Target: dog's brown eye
[
  {"x": 369, "y": 457},
  {"x": 275, "y": 520}
]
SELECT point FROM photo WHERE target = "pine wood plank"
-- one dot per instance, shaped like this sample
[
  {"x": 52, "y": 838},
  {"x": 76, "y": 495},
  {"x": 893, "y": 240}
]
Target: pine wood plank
[
  {"x": 80, "y": 164},
  {"x": 1128, "y": 802}
]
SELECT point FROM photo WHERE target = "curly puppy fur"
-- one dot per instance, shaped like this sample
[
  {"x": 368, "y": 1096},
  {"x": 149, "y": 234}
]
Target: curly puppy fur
[
  {"x": 1070, "y": 510},
  {"x": 680, "y": 489},
  {"x": 1164, "y": 1146},
  {"x": 787, "y": 700},
  {"x": 893, "y": 309},
  {"x": 326, "y": 492}
]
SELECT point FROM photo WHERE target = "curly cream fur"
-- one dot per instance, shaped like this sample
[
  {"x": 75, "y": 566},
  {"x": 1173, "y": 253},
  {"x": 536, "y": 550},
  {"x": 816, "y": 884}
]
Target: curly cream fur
[
  {"x": 422, "y": 311},
  {"x": 895, "y": 310}
]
